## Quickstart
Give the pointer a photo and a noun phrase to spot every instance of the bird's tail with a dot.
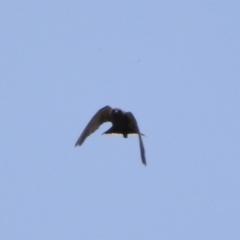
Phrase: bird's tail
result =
(124, 132)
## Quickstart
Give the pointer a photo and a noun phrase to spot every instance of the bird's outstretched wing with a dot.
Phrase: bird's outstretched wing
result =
(134, 125)
(103, 115)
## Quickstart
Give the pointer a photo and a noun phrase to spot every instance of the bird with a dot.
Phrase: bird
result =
(122, 123)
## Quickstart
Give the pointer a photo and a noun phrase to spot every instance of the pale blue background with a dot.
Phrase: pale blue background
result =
(175, 65)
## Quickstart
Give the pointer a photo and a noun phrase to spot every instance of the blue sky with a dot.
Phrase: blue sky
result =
(175, 65)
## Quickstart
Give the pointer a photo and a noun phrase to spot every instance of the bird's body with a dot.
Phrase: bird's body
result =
(122, 123)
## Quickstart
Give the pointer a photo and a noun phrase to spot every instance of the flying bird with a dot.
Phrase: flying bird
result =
(122, 123)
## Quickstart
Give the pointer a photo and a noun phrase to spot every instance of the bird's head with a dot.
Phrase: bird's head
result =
(117, 113)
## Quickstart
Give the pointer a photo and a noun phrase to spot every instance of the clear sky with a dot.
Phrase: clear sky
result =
(175, 65)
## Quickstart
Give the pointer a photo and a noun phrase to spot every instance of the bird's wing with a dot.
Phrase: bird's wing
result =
(103, 115)
(134, 125)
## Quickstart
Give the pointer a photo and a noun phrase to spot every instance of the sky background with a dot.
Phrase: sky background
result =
(175, 65)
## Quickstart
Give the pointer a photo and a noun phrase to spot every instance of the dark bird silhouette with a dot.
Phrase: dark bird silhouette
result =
(122, 123)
